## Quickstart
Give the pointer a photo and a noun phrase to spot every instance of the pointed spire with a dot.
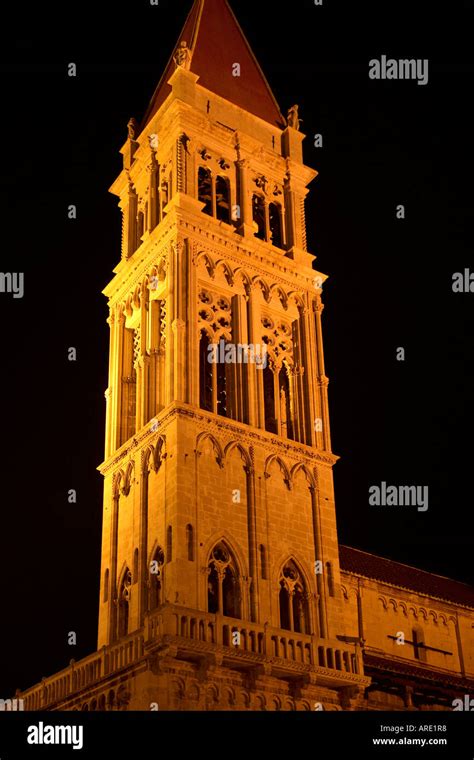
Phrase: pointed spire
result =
(210, 45)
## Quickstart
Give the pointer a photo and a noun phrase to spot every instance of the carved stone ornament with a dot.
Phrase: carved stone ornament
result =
(182, 57)
(293, 118)
(132, 127)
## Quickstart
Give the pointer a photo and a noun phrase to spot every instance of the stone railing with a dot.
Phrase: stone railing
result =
(254, 638)
(193, 625)
(80, 675)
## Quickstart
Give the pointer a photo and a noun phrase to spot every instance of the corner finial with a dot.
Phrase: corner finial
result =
(132, 127)
(182, 57)
(293, 118)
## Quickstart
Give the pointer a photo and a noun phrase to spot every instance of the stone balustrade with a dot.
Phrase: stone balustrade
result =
(231, 636)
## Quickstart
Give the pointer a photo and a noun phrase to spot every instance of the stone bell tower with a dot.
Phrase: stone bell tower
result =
(219, 530)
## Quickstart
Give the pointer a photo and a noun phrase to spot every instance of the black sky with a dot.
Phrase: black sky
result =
(385, 143)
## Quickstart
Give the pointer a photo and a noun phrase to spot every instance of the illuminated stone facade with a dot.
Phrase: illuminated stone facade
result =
(220, 579)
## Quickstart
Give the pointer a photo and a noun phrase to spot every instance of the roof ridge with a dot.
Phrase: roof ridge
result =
(403, 564)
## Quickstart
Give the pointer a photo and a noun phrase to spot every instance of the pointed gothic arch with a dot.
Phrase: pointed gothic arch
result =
(297, 298)
(277, 290)
(147, 459)
(275, 459)
(215, 444)
(155, 578)
(302, 467)
(224, 581)
(227, 270)
(244, 454)
(245, 279)
(127, 480)
(117, 479)
(123, 603)
(293, 597)
(264, 287)
(159, 453)
(209, 263)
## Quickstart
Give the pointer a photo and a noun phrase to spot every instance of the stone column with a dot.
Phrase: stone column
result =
(255, 377)
(323, 381)
(244, 226)
(307, 359)
(113, 596)
(153, 210)
(143, 572)
(252, 536)
(109, 392)
(117, 380)
(192, 370)
(239, 333)
(144, 363)
(181, 164)
(178, 301)
(131, 221)
(318, 554)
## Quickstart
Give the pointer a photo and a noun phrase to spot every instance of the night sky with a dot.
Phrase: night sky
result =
(384, 144)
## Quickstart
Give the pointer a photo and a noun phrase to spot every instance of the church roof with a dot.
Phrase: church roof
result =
(217, 42)
(404, 576)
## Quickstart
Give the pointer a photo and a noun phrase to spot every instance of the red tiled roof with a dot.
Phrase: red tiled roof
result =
(397, 574)
(217, 42)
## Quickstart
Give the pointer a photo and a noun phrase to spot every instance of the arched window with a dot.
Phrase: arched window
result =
(294, 610)
(156, 579)
(205, 374)
(269, 400)
(169, 544)
(263, 562)
(190, 542)
(205, 189)
(285, 404)
(124, 604)
(276, 237)
(258, 213)
(106, 586)
(223, 210)
(223, 588)
(216, 378)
